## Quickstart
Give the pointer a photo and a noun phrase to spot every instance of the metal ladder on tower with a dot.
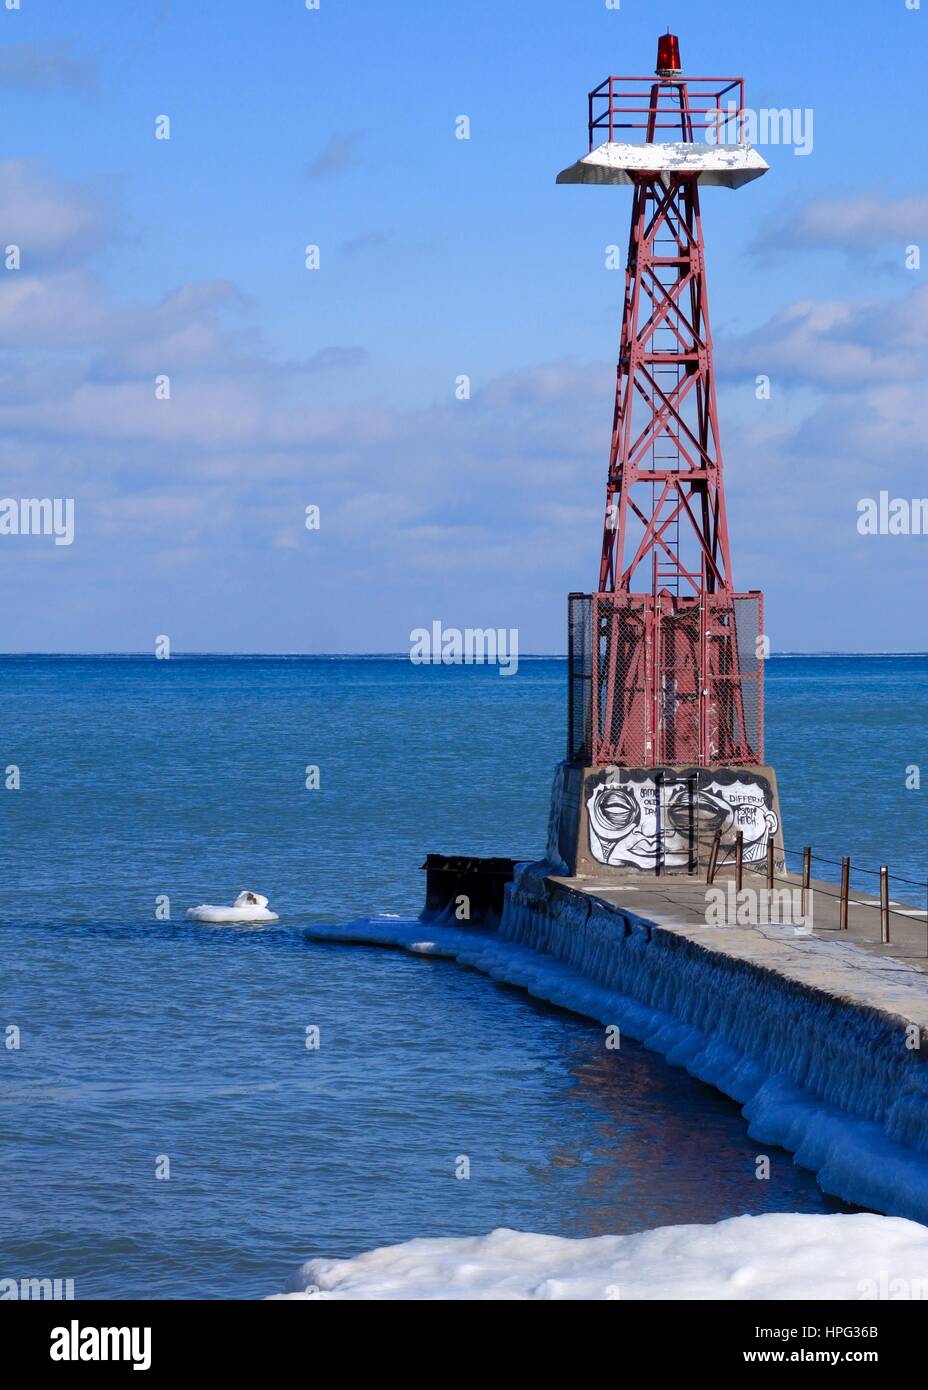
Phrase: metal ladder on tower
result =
(665, 446)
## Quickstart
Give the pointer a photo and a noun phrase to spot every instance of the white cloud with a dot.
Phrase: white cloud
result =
(837, 344)
(42, 66)
(52, 221)
(859, 224)
(341, 152)
(494, 503)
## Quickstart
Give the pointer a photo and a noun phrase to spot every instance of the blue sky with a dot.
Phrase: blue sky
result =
(439, 257)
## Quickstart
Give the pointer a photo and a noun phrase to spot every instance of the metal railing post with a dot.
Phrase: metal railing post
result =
(713, 857)
(770, 865)
(739, 856)
(845, 887)
(806, 876)
(884, 904)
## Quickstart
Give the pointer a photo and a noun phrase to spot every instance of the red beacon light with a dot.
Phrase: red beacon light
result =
(668, 56)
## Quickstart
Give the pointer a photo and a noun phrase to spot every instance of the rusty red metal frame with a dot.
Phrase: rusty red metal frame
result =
(664, 99)
(669, 680)
(674, 692)
(666, 295)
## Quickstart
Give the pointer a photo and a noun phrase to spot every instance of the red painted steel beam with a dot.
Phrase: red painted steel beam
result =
(671, 638)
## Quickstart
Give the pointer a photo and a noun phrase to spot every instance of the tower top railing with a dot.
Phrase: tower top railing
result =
(690, 106)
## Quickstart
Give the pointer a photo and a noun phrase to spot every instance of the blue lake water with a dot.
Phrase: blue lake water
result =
(143, 1038)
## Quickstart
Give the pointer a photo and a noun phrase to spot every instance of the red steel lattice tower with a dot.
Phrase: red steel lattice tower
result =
(674, 671)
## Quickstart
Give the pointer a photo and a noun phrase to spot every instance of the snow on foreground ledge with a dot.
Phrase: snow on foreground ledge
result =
(856, 1257)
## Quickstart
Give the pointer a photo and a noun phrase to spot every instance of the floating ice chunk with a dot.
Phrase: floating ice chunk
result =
(248, 907)
(854, 1257)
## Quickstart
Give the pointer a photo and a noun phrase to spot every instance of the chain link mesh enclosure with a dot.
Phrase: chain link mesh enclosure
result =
(659, 679)
(579, 676)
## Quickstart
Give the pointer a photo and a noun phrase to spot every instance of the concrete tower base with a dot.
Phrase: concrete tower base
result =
(607, 820)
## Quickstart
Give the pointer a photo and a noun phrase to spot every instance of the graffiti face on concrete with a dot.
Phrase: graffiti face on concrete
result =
(639, 820)
(744, 804)
(644, 818)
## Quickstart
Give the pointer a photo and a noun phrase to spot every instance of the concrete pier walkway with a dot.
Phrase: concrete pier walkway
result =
(684, 900)
(815, 958)
(821, 1036)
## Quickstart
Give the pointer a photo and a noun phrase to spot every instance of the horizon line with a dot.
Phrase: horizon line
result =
(397, 655)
